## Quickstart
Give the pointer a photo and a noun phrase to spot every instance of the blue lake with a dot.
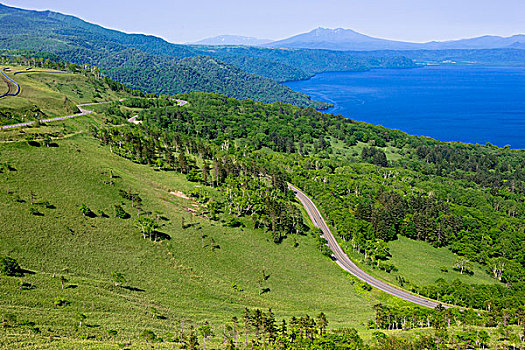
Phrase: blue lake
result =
(468, 104)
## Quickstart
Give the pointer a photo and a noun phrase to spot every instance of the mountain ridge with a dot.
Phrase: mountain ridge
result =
(348, 39)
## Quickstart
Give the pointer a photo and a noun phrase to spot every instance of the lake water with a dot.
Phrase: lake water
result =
(468, 104)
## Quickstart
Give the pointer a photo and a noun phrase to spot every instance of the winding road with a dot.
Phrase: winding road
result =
(82, 112)
(8, 93)
(338, 255)
(347, 264)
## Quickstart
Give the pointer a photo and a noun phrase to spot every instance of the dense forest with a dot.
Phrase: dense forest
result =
(153, 65)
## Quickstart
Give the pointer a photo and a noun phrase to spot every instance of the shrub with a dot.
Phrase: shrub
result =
(149, 336)
(233, 222)
(34, 211)
(120, 212)
(84, 209)
(9, 266)
(59, 301)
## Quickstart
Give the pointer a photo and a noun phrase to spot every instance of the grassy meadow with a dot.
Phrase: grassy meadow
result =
(180, 278)
(49, 93)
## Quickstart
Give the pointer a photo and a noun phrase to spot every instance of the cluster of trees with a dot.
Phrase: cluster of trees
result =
(257, 329)
(483, 297)
(248, 189)
(270, 207)
(409, 317)
(249, 150)
(441, 320)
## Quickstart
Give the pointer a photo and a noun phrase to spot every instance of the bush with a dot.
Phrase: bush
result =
(233, 222)
(59, 301)
(9, 266)
(84, 209)
(120, 212)
(149, 336)
(34, 211)
(322, 245)
(366, 286)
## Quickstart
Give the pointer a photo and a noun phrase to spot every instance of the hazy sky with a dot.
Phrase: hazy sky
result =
(190, 20)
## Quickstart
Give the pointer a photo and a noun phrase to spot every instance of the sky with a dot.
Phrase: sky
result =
(186, 21)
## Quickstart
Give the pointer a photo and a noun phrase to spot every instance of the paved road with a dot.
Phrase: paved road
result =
(82, 112)
(12, 81)
(344, 261)
(134, 120)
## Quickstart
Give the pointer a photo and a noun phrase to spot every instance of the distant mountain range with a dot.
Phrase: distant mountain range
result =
(152, 64)
(232, 40)
(346, 39)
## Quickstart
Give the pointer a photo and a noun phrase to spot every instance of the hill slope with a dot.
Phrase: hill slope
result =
(200, 270)
(140, 55)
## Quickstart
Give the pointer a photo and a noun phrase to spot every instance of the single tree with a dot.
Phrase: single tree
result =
(205, 331)
(9, 266)
(63, 281)
(118, 278)
(462, 264)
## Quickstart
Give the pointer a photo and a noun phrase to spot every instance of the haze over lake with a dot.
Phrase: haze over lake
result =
(449, 103)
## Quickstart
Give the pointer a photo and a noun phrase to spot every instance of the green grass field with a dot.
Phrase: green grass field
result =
(178, 277)
(420, 263)
(50, 94)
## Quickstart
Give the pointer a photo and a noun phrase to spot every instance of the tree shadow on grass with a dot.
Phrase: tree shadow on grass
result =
(162, 236)
(133, 289)
(23, 272)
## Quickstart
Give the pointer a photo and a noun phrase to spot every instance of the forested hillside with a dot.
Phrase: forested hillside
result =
(154, 65)
(375, 184)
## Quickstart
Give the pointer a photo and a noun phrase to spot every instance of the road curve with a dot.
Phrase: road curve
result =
(82, 112)
(12, 81)
(345, 263)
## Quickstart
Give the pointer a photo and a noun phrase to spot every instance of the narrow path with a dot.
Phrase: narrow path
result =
(347, 264)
